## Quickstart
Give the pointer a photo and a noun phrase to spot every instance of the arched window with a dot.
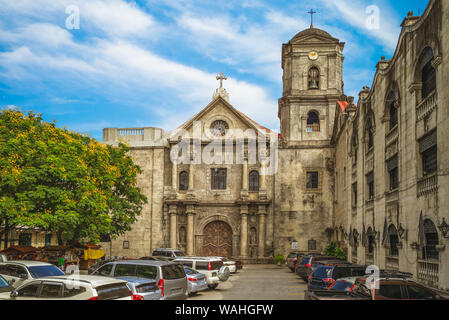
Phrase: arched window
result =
(428, 73)
(184, 181)
(314, 78)
(313, 122)
(392, 110)
(394, 240)
(254, 181)
(355, 147)
(430, 250)
(370, 134)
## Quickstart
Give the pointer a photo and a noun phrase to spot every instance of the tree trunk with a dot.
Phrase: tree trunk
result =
(6, 233)
(60, 241)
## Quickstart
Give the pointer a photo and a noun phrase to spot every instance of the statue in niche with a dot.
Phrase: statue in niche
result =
(314, 78)
(253, 242)
(182, 235)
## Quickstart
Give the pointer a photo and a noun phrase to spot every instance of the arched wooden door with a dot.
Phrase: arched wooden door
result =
(217, 239)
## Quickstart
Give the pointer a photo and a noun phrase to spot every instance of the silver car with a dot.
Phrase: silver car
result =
(170, 277)
(196, 281)
(143, 289)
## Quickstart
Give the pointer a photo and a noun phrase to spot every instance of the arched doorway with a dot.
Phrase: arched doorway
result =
(217, 239)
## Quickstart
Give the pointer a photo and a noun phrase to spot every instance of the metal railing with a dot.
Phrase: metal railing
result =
(313, 127)
(428, 272)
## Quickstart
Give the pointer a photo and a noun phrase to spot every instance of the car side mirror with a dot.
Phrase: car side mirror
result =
(11, 282)
(14, 294)
(23, 276)
(438, 297)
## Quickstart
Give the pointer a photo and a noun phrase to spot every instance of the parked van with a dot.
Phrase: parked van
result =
(170, 277)
(213, 268)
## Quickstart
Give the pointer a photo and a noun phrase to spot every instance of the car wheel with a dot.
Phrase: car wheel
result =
(224, 273)
(212, 286)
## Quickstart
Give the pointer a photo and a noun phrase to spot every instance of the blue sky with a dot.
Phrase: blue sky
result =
(154, 62)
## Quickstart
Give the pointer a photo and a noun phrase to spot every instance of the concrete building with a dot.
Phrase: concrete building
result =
(392, 159)
(357, 175)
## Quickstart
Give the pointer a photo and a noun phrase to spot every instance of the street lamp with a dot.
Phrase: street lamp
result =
(401, 231)
(444, 228)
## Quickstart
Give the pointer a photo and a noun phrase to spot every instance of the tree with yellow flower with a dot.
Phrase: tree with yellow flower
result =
(62, 181)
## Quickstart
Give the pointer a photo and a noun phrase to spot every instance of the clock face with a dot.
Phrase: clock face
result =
(219, 128)
(313, 55)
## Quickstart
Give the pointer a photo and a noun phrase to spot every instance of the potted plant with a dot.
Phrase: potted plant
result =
(279, 259)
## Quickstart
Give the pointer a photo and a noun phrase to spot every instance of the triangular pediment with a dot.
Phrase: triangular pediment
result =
(219, 110)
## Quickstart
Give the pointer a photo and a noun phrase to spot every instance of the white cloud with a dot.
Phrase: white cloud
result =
(117, 18)
(355, 14)
(120, 64)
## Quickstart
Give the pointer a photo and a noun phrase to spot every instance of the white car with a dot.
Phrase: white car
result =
(212, 268)
(20, 272)
(228, 263)
(72, 287)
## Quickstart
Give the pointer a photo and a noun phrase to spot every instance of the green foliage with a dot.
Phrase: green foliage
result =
(63, 181)
(332, 250)
(340, 253)
(279, 259)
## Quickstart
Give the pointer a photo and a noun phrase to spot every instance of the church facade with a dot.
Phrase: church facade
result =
(221, 184)
(223, 206)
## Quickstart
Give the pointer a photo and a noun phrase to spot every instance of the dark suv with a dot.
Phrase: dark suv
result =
(295, 257)
(304, 267)
(324, 276)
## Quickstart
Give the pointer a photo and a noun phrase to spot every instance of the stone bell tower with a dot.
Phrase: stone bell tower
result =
(313, 82)
(313, 67)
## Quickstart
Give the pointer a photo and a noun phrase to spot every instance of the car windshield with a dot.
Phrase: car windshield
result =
(45, 271)
(3, 283)
(306, 260)
(113, 291)
(322, 272)
(341, 286)
(189, 271)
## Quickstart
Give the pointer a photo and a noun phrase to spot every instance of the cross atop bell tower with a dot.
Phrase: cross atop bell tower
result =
(311, 12)
(313, 83)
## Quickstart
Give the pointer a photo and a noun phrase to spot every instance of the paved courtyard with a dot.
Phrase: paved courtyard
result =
(258, 282)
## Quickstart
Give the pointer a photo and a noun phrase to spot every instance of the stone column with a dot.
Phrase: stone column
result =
(245, 174)
(263, 176)
(174, 176)
(244, 231)
(190, 232)
(172, 211)
(262, 213)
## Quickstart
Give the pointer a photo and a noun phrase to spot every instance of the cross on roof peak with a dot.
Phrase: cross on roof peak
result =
(221, 77)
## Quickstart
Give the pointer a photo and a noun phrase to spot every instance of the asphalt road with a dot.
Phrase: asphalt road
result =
(258, 282)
